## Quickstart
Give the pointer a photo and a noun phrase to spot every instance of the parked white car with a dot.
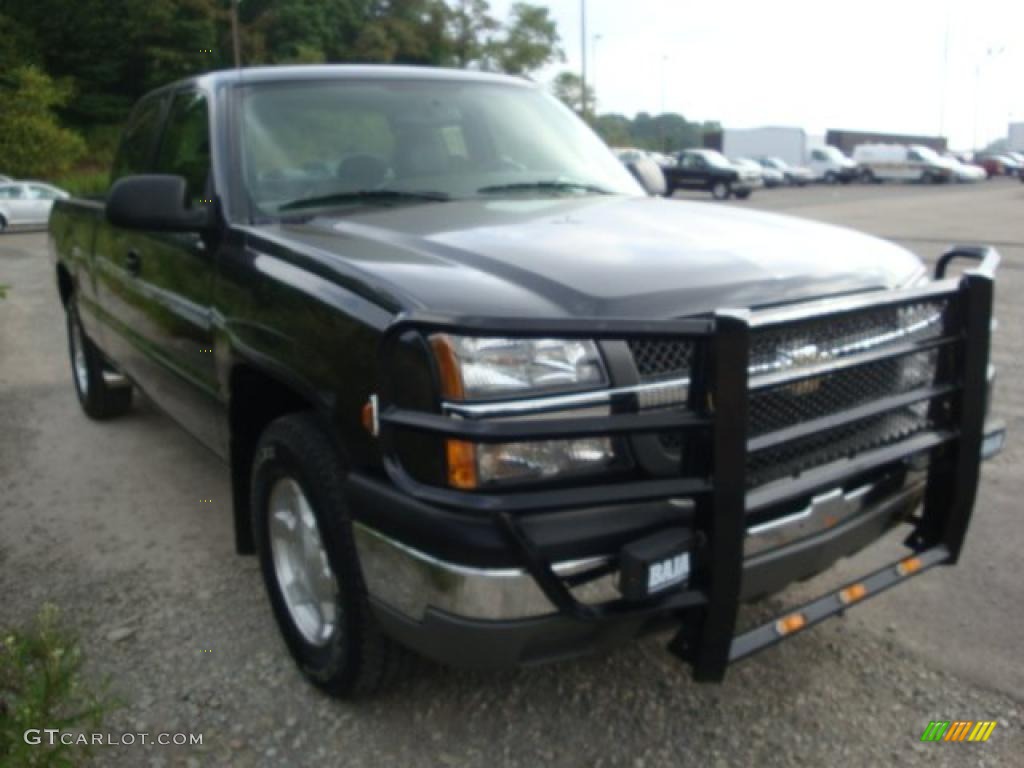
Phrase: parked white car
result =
(796, 175)
(771, 177)
(27, 203)
(830, 165)
(966, 172)
(900, 162)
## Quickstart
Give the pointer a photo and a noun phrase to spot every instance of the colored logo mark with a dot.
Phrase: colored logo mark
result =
(958, 730)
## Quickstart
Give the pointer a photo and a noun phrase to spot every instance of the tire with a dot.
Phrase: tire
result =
(868, 176)
(721, 190)
(830, 177)
(3, 224)
(99, 399)
(340, 649)
(742, 194)
(927, 178)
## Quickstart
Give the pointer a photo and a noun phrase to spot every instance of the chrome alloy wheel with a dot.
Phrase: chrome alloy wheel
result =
(78, 360)
(303, 573)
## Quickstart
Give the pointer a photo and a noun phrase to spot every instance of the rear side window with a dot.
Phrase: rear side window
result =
(135, 152)
(185, 147)
(10, 193)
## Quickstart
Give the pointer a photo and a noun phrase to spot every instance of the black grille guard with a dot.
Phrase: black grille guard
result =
(718, 415)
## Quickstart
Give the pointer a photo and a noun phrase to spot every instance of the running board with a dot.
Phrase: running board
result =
(816, 611)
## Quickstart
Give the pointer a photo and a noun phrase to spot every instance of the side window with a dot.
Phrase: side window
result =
(185, 146)
(8, 193)
(818, 155)
(133, 155)
(41, 193)
(914, 157)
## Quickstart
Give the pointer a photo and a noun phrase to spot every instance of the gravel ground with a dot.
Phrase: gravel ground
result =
(105, 521)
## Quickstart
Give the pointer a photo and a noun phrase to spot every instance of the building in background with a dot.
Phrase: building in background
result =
(845, 141)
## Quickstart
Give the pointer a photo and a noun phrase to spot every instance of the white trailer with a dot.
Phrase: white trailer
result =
(789, 144)
(1015, 137)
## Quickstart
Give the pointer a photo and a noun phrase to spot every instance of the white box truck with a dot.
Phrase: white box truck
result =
(1015, 137)
(789, 144)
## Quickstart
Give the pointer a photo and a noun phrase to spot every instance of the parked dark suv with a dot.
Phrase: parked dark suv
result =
(710, 170)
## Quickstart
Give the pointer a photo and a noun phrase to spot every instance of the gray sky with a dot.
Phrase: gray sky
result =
(860, 64)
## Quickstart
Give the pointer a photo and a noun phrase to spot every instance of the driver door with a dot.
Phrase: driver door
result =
(173, 281)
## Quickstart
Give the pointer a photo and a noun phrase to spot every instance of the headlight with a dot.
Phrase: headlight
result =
(478, 465)
(480, 368)
(484, 368)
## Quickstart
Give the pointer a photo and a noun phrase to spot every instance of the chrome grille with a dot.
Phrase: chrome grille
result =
(790, 347)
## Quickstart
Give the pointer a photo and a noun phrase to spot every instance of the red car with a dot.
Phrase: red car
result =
(998, 165)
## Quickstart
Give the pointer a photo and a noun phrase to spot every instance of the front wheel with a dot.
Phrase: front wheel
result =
(830, 177)
(721, 190)
(99, 398)
(310, 567)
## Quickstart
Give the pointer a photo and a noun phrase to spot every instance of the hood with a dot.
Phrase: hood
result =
(588, 257)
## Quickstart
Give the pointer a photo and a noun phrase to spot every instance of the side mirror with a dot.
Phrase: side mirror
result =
(649, 174)
(154, 202)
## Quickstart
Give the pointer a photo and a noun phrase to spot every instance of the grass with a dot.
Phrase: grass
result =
(41, 686)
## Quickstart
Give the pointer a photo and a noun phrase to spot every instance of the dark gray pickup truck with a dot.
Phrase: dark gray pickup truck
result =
(483, 398)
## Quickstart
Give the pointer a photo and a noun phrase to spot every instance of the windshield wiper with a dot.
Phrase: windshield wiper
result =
(554, 185)
(365, 195)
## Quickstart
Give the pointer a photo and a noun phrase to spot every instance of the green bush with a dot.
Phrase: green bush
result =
(32, 142)
(41, 687)
(84, 183)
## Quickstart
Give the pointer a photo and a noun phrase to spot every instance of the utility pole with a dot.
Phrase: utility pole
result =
(583, 57)
(234, 33)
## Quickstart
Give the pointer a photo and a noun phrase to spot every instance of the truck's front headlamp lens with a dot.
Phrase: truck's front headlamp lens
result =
(485, 368)
(474, 368)
(476, 465)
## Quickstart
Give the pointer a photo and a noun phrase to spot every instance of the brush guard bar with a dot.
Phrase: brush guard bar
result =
(717, 415)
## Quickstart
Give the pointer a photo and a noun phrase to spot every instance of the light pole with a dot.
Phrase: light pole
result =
(990, 53)
(583, 57)
(593, 65)
(234, 33)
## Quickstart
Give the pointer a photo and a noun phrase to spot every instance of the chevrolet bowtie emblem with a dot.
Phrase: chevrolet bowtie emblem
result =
(801, 357)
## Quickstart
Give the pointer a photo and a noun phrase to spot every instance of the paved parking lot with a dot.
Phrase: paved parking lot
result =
(105, 521)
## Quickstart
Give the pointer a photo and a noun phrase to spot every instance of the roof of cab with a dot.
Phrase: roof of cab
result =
(247, 75)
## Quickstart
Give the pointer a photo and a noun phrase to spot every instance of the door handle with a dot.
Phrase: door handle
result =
(132, 262)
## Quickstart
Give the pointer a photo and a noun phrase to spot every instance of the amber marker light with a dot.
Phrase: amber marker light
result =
(852, 594)
(448, 367)
(787, 625)
(909, 566)
(460, 455)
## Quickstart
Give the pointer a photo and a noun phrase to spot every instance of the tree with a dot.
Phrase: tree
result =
(530, 41)
(568, 87)
(471, 29)
(32, 143)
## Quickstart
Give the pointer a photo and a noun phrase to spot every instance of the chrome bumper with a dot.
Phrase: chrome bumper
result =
(411, 582)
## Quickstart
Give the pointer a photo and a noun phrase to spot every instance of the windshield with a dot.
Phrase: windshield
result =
(327, 143)
(926, 153)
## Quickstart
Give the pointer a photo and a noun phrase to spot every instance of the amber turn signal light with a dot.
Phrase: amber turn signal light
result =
(461, 464)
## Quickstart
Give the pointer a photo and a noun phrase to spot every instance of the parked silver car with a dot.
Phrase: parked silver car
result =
(27, 203)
